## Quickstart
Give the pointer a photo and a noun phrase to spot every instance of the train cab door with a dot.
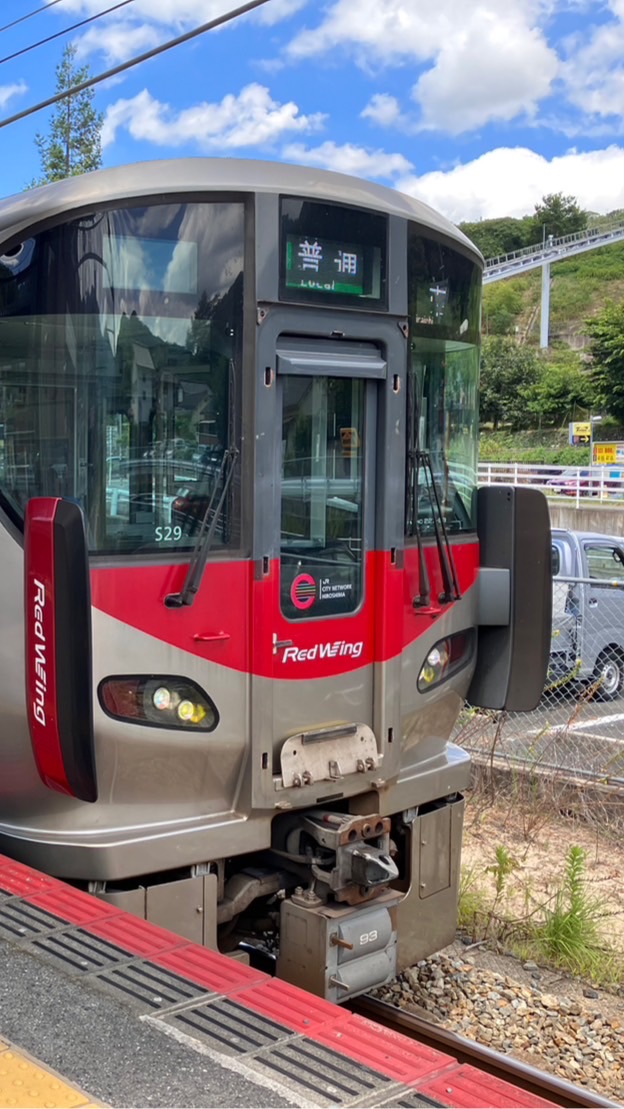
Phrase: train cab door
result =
(321, 720)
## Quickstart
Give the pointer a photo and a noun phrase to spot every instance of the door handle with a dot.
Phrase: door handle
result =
(210, 637)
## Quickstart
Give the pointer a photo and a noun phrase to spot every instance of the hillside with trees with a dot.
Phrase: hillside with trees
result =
(528, 395)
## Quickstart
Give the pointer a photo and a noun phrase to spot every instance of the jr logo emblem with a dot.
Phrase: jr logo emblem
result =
(303, 591)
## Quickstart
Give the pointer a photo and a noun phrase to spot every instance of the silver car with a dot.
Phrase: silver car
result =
(588, 610)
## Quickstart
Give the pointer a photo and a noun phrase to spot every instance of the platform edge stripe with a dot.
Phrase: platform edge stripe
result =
(22, 881)
(208, 968)
(134, 934)
(385, 1051)
(291, 1005)
(73, 905)
(468, 1086)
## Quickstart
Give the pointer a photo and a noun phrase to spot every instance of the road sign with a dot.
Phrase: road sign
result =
(579, 433)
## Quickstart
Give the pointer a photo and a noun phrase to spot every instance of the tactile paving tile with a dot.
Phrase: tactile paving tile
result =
(467, 1086)
(21, 881)
(320, 1074)
(209, 969)
(135, 935)
(229, 1028)
(79, 951)
(406, 1099)
(20, 920)
(150, 987)
(73, 905)
(299, 1010)
(395, 1055)
(25, 1085)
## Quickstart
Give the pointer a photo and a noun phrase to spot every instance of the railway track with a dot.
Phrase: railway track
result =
(548, 1086)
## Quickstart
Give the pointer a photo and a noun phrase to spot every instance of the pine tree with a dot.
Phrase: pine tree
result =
(73, 144)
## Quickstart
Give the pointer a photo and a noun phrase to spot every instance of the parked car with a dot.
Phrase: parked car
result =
(588, 610)
(593, 481)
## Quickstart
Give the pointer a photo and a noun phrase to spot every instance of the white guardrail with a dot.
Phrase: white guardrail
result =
(573, 483)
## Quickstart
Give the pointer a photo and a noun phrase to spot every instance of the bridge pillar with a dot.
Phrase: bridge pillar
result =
(545, 308)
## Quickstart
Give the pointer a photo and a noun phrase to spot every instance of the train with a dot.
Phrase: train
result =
(248, 577)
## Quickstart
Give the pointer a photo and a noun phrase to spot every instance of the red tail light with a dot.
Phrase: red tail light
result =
(58, 646)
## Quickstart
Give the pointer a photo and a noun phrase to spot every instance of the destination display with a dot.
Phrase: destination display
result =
(332, 267)
(332, 253)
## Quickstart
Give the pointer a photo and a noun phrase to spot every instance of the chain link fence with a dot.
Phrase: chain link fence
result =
(578, 727)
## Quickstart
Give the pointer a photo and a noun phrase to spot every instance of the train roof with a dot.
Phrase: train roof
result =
(192, 175)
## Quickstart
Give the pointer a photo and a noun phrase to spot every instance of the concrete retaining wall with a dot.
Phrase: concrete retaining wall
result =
(592, 517)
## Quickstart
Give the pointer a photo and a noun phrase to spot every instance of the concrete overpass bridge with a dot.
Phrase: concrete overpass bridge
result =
(544, 254)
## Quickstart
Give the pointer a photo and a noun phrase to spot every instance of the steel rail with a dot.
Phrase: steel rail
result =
(525, 1077)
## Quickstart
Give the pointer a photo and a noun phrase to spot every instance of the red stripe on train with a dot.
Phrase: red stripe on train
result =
(236, 620)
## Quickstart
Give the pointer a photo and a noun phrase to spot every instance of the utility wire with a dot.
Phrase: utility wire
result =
(65, 31)
(28, 15)
(218, 22)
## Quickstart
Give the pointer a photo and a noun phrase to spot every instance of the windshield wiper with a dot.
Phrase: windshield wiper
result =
(451, 590)
(205, 535)
(423, 600)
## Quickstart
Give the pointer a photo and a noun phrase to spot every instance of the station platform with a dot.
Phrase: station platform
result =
(98, 1007)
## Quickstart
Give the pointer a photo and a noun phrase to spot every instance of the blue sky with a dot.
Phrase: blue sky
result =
(480, 109)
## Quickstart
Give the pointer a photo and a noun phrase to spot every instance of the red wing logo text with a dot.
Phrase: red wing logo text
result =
(338, 649)
(40, 683)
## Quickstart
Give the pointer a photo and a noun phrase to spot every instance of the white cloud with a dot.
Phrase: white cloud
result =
(486, 62)
(516, 69)
(117, 41)
(276, 10)
(7, 92)
(349, 159)
(594, 73)
(252, 118)
(510, 181)
(382, 109)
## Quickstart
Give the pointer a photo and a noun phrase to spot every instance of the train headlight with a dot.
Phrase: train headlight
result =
(446, 658)
(161, 698)
(435, 666)
(160, 702)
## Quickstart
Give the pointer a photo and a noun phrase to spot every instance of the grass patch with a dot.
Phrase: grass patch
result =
(564, 928)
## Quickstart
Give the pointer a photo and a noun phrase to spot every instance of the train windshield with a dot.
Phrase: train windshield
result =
(443, 385)
(121, 336)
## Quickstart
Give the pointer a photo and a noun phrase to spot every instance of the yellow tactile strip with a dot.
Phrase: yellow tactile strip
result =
(25, 1084)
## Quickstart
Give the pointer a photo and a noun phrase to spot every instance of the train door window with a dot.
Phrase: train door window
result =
(321, 495)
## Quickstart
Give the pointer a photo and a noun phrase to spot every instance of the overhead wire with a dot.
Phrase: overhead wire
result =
(29, 15)
(219, 21)
(65, 31)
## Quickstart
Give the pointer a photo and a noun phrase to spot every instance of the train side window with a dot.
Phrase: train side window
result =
(555, 561)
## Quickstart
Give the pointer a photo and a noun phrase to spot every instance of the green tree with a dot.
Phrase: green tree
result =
(606, 332)
(563, 389)
(499, 236)
(73, 144)
(507, 372)
(557, 215)
(502, 307)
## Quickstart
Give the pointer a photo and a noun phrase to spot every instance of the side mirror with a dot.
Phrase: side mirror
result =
(515, 598)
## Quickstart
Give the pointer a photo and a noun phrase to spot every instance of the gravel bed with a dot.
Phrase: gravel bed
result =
(569, 1036)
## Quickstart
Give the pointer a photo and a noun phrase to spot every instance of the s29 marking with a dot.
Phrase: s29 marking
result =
(166, 534)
